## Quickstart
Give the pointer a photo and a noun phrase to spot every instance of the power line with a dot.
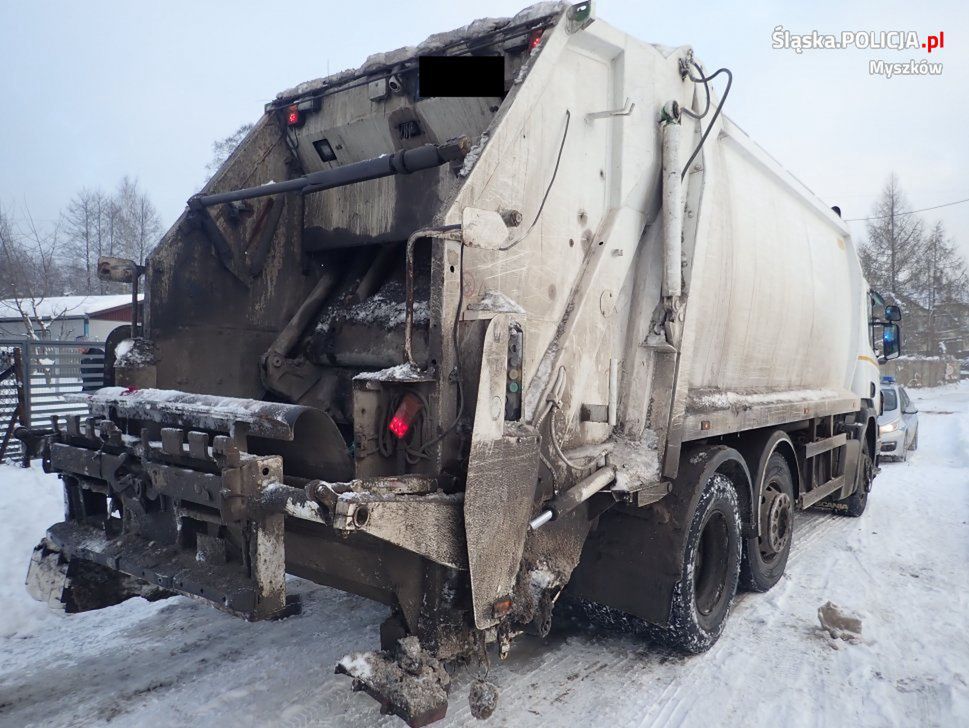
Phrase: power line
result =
(910, 212)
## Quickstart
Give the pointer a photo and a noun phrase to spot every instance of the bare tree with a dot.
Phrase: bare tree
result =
(223, 148)
(943, 283)
(30, 265)
(11, 258)
(892, 254)
(922, 271)
(124, 224)
(138, 222)
(83, 230)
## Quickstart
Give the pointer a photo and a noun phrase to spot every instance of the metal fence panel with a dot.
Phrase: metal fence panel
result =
(53, 370)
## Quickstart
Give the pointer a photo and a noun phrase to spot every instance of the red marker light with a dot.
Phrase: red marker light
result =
(403, 418)
(534, 39)
(292, 115)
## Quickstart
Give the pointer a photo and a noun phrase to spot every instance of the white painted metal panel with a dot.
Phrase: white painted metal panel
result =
(772, 307)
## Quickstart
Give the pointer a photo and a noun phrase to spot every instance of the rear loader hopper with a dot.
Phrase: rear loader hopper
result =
(513, 318)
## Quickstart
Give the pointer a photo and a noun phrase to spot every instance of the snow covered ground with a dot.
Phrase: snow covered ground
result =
(902, 567)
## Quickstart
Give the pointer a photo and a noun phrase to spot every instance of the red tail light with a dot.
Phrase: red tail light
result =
(403, 418)
(292, 115)
(534, 39)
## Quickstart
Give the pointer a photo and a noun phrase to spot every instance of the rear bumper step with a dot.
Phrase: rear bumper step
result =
(204, 514)
(172, 569)
(73, 585)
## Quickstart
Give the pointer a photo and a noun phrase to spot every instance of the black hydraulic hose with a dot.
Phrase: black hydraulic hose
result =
(706, 87)
(548, 189)
(716, 114)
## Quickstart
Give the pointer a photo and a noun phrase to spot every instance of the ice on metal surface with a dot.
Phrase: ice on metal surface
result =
(212, 412)
(383, 309)
(406, 372)
(471, 157)
(703, 401)
(496, 302)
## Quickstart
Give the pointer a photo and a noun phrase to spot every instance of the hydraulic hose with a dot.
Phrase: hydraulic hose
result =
(716, 113)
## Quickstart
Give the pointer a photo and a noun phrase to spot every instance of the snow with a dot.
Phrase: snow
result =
(706, 400)
(406, 372)
(69, 306)
(386, 309)
(433, 45)
(471, 158)
(134, 353)
(901, 568)
(124, 347)
(358, 665)
(496, 302)
(31, 501)
(188, 403)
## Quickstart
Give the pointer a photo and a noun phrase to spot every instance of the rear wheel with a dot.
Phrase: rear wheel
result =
(858, 501)
(765, 556)
(711, 567)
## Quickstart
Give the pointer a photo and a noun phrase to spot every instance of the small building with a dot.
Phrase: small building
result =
(68, 318)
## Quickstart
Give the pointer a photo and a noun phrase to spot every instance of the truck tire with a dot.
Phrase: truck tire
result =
(858, 501)
(711, 568)
(765, 556)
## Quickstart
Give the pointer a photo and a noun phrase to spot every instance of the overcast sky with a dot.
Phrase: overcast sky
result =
(92, 90)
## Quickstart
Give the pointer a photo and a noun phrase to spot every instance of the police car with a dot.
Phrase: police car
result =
(898, 423)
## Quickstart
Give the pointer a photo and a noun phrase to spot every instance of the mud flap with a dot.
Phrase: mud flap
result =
(408, 682)
(632, 560)
(502, 477)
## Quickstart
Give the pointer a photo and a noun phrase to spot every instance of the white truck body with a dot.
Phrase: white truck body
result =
(770, 273)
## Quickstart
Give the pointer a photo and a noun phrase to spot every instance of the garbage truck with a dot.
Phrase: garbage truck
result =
(512, 319)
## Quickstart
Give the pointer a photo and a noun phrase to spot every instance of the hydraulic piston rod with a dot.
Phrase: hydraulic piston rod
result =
(574, 496)
(403, 162)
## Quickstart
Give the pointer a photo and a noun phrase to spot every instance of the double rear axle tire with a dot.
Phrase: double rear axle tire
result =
(718, 559)
(711, 569)
(857, 502)
(766, 554)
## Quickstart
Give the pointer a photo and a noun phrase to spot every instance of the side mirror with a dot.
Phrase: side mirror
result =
(893, 313)
(891, 342)
(119, 270)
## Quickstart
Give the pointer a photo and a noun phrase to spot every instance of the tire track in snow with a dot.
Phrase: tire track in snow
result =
(672, 706)
(631, 679)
